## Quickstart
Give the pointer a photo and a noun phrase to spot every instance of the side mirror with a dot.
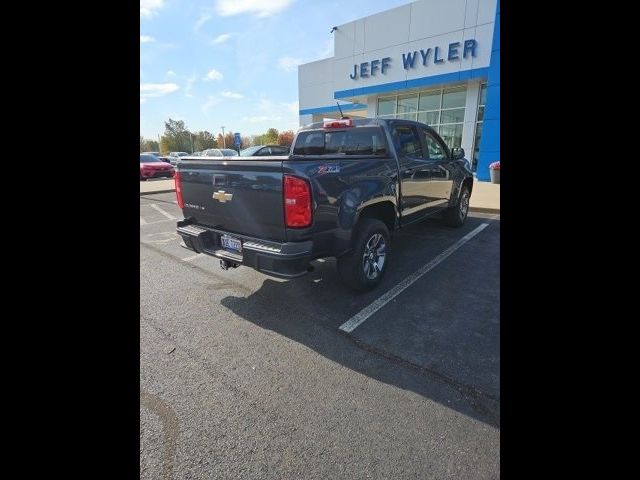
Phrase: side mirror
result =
(457, 153)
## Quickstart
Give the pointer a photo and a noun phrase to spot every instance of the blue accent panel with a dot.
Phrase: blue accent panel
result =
(490, 139)
(492, 109)
(330, 109)
(416, 82)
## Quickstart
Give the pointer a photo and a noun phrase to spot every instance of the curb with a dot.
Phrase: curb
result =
(157, 191)
(484, 210)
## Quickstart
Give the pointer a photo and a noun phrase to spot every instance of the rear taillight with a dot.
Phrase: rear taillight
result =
(297, 202)
(178, 184)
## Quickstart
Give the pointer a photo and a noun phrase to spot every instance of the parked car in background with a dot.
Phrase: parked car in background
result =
(152, 167)
(219, 152)
(265, 151)
(175, 156)
(196, 154)
(162, 158)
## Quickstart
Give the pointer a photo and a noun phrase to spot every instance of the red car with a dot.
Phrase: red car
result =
(152, 167)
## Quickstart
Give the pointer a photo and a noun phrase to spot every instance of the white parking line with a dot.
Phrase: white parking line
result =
(156, 221)
(188, 259)
(351, 324)
(158, 209)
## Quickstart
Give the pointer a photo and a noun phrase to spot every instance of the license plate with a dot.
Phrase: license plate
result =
(231, 243)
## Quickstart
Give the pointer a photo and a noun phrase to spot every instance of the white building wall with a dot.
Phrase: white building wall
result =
(470, 112)
(419, 25)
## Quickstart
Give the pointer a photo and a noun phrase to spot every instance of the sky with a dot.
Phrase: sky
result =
(233, 63)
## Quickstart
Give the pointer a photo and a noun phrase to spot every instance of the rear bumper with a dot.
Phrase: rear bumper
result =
(159, 174)
(284, 260)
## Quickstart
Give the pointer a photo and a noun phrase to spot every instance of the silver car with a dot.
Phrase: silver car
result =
(219, 152)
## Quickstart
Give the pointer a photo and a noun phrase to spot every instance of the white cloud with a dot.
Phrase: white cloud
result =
(289, 64)
(171, 73)
(201, 21)
(228, 94)
(149, 7)
(142, 100)
(221, 38)
(212, 101)
(213, 75)
(260, 8)
(293, 107)
(149, 90)
(146, 39)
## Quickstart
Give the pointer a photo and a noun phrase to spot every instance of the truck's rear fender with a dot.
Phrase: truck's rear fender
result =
(342, 189)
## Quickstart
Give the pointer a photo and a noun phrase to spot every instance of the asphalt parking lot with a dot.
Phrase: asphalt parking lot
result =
(247, 376)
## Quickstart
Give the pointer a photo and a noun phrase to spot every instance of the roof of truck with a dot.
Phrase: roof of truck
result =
(364, 122)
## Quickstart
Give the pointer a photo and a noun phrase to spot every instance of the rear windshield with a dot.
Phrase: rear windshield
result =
(148, 159)
(351, 141)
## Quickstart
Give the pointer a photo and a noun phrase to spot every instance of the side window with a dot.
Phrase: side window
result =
(435, 149)
(264, 152)
(407, 141)
(279, 151)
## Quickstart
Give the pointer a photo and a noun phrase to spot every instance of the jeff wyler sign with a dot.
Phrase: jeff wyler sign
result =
(434, 55)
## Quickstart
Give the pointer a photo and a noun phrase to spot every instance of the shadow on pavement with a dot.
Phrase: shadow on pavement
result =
(444, 349)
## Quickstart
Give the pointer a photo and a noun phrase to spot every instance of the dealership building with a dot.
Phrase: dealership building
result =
(434, 61)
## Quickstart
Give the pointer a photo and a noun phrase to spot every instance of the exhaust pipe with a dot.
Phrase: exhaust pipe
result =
(226, 265)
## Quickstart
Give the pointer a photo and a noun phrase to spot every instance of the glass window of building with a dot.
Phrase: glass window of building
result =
(387, 106)
(407, 106)
(442, 108)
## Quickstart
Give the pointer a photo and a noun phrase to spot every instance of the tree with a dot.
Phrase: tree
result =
(246, 141)
(228, 141)
(203, 140)
(286, 138)
(271, 136)
(147, 145)
(176, 137)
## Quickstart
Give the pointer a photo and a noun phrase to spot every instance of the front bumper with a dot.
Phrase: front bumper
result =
(284, 260)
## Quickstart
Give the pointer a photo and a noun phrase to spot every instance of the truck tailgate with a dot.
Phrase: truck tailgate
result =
(235, 194)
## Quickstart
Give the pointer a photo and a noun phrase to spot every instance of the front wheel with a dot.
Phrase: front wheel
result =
(364, 267)
(456, 215)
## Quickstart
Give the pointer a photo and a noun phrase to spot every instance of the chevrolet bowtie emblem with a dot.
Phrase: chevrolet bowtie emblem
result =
(222, 197)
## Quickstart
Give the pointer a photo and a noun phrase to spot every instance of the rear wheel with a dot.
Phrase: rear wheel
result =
(456, 215)
(364, 267)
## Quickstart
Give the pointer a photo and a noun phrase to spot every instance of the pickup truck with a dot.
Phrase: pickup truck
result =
(346, 186)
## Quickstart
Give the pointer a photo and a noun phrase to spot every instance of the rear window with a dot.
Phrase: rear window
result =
(148, 159)
(352, 141)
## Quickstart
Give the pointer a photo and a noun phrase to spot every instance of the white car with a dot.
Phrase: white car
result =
(219, 152)
(175, 156)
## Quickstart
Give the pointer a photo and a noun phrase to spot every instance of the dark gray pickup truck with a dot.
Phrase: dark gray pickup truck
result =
(345, 187)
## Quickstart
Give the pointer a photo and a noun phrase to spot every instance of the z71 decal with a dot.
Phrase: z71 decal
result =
(322, 169)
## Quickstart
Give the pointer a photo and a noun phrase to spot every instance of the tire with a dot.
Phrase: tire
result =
(361, 269)
(455, 216)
